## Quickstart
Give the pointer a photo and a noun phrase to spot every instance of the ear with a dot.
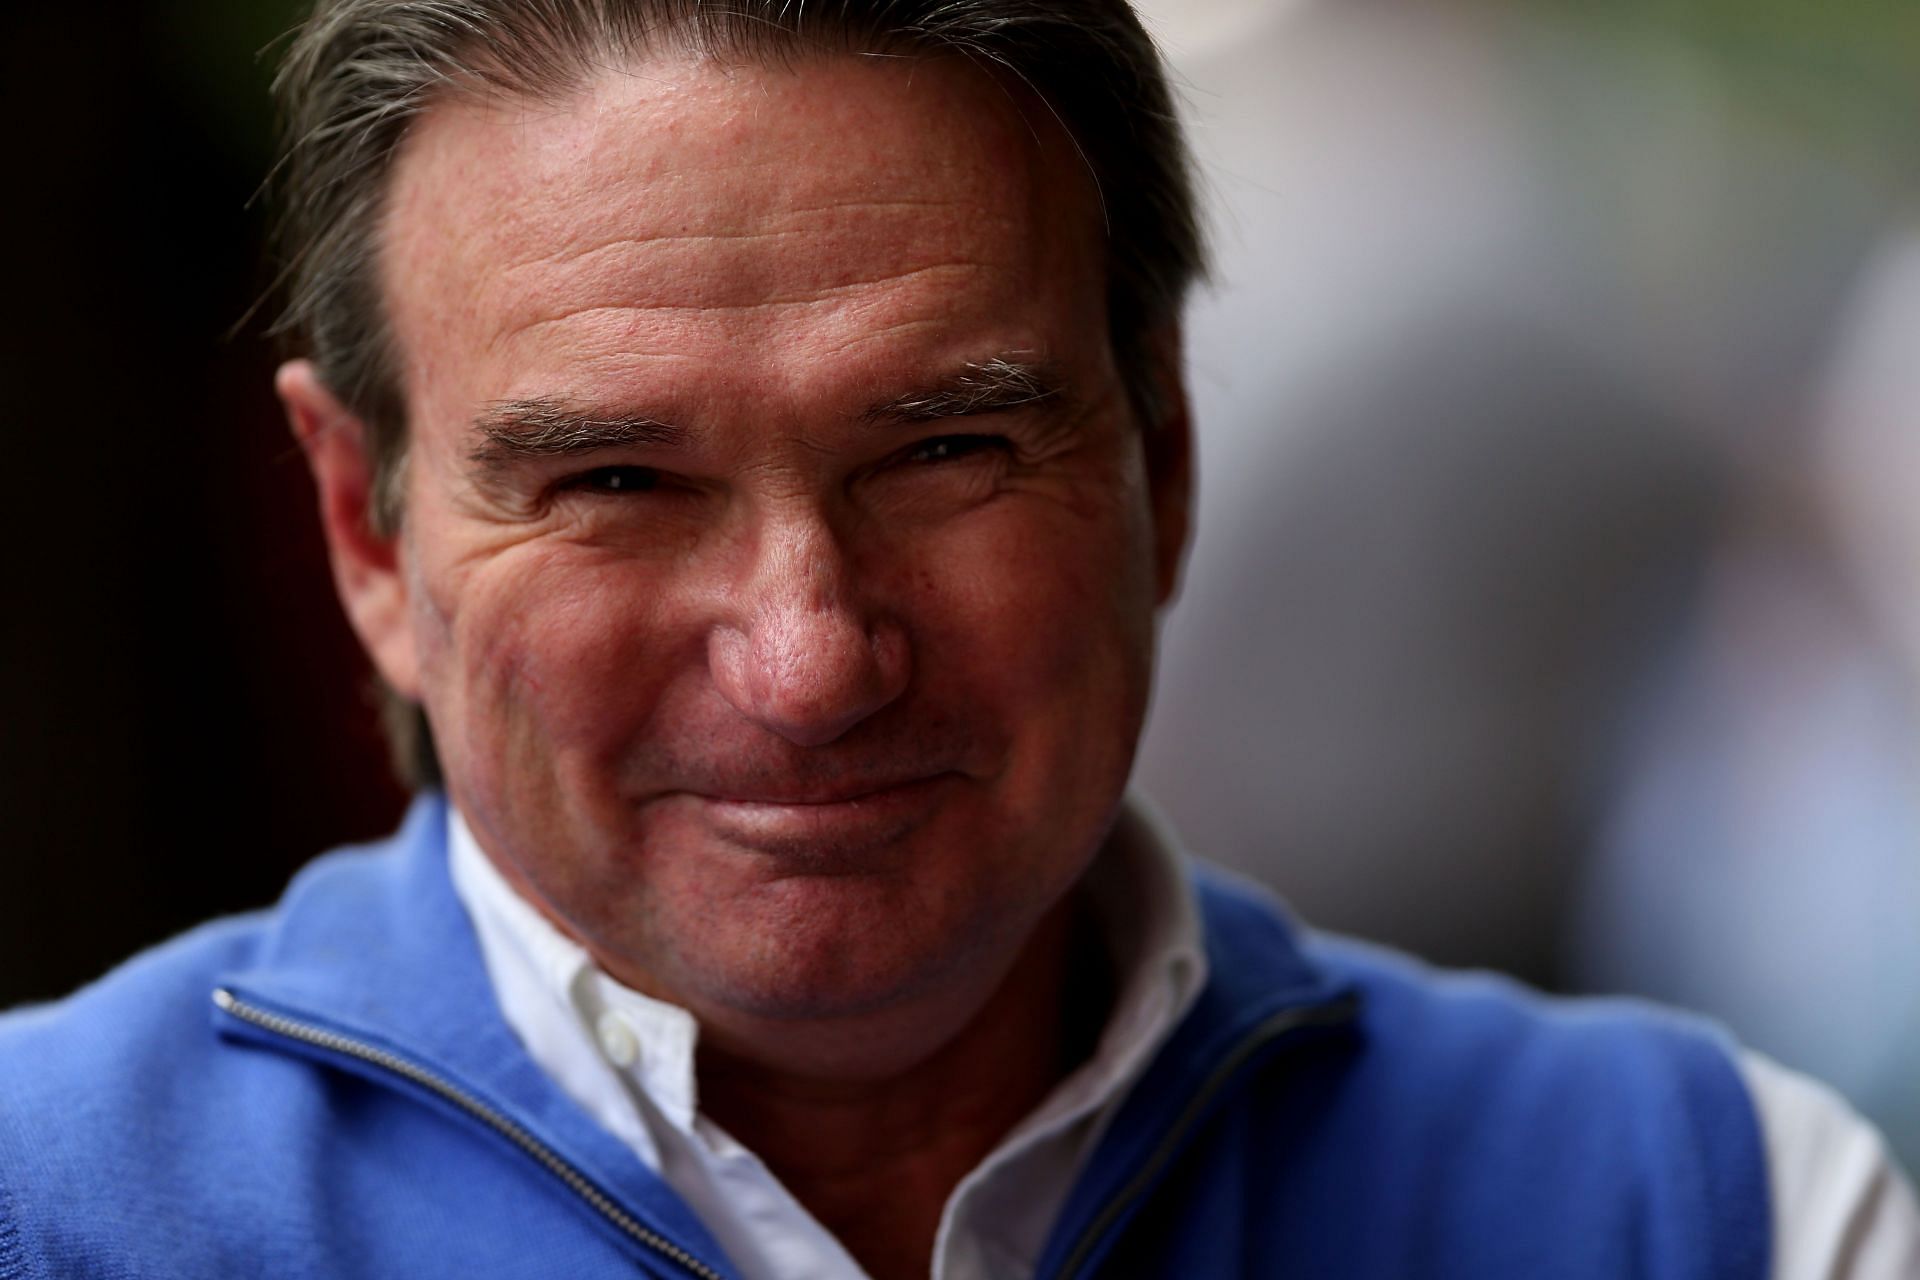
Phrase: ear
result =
(367, 568)
(1169, 457)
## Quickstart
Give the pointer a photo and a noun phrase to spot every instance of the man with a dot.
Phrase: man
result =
(753, 435)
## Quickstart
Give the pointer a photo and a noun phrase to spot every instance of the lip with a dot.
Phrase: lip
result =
(816, 794)
(830, 821)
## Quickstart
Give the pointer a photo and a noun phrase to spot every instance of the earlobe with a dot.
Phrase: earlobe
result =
(367, 568)
(1169, 458)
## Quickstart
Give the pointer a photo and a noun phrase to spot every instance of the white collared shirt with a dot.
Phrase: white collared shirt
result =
(628, 1059)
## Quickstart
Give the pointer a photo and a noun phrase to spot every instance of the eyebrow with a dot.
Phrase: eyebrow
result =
(544, 427)
(986, 386)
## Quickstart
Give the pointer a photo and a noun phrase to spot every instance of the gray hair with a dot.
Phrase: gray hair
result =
(359, 72)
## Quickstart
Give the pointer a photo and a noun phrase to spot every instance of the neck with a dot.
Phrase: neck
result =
(875, 1160)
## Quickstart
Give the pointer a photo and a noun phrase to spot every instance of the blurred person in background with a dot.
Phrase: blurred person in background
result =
(1762, 856)
(1516, 631)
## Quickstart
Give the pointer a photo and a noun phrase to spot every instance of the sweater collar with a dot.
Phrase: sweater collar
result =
(372, 944)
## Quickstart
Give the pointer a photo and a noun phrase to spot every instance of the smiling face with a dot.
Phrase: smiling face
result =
(780, 555)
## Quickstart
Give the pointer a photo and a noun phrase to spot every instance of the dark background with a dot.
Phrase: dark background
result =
(181, 715)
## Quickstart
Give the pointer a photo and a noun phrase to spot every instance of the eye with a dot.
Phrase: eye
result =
(616, 480)
(952, 448)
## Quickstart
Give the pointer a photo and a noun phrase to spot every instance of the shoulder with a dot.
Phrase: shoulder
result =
(1448, 1030)
(154, 1007)
(125, 1083)
(1493, 1123)
(1482, 1121)
(1841, 1207)
(1522, 1048)
(107, 1039)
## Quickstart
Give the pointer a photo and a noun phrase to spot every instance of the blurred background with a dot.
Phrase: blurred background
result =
(1556, 601)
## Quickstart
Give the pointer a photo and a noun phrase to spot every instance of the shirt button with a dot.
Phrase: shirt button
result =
(617, 1040)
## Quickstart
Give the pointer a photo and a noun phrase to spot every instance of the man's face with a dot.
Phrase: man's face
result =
(780, 558)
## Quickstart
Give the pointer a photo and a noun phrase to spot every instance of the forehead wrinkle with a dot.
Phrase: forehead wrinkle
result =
(783, 223)
(883, 333)
(813, 298)
(578, 255)
(570, 255)
(746, 270)
(743, 198)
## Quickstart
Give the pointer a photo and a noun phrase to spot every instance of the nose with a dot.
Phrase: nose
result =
(799, 651)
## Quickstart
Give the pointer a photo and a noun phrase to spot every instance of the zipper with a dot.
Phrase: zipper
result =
(545, 1156)
(1283, 1023)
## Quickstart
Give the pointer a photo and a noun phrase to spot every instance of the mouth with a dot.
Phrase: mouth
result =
(815, 794)
(813, 821)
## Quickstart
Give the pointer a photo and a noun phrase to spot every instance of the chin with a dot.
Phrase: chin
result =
(829, 951)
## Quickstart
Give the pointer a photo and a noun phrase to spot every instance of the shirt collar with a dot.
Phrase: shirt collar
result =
(1146, 918)
(574, 1019)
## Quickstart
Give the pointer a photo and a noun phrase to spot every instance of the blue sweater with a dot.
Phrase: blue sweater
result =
(327, 1089)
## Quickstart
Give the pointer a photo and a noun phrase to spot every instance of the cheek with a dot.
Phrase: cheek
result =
(1059, 583)
(545, 666)
(1050, 623)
